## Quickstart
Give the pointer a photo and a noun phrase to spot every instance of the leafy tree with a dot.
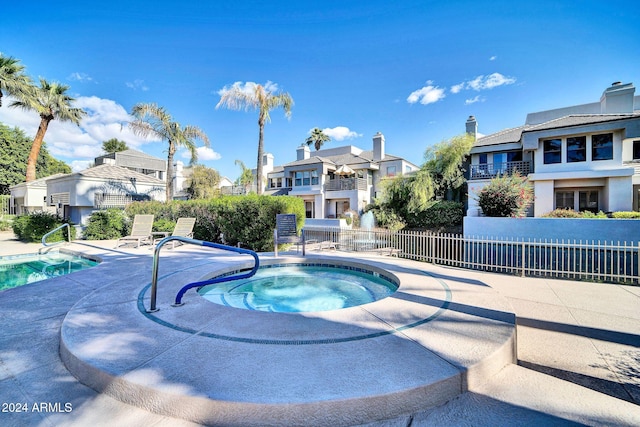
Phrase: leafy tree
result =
(442, 173)
(256, 97)
(203, 183)
(51, 102)
(14, 150)
(13, 81)
(246, 177)
(155, 121)
(317, 138)
(506, 196)
(114, 145)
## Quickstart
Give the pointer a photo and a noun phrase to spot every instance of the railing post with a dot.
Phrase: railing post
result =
(523, 257)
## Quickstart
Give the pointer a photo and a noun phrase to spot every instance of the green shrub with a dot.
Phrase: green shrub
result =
(506, 196)
(626, 215)
(5, 222)
(569, 213)
(106, 225)
(443, 214)
(163, 224)
(31, 228)
(248, 220)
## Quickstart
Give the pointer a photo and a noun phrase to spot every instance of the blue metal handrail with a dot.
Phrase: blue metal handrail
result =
(44, 238)
(185, 288)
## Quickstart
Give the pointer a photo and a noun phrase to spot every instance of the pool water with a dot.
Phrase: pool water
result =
(22, 269)
(301, 288)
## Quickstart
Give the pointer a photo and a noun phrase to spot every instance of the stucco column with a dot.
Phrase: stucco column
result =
(544, 197)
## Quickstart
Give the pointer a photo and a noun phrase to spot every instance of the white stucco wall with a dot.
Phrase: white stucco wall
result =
(544, 197)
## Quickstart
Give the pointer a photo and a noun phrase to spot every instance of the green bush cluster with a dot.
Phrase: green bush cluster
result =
(248, 220)
(106, 225)
(31, 228)
(443, 214)
(626, 215)
(569, 213)
(506, 196)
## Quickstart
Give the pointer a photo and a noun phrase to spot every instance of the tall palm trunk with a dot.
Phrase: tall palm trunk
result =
(260, 155)
(35, 147)
(169, 181)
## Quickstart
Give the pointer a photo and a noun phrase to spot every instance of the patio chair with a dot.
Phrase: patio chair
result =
(183, 228)
(140, 231)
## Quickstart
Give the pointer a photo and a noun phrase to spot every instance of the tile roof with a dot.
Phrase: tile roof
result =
(117, 172)
(515, 134)
(505, 136)
(581, 119)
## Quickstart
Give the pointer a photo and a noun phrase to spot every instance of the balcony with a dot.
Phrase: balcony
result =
(341, 184)
(492, 170)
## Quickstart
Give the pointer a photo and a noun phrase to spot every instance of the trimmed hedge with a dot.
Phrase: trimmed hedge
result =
(626, 215)
(31, 228)
(441, 215)
(106, 225)
(248, 220)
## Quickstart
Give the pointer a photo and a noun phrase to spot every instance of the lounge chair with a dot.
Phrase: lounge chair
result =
(183, 228)
(140, 231)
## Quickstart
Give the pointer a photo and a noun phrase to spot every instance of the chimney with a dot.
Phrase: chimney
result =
(378, 147)
(267, 163)
(617, 99)
(303, 152)
(472, 127)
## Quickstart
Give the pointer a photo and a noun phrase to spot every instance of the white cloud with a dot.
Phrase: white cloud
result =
(426, 95)
(80, 165)
(473, 100)
(105, 119)
(340, 133)
(493, 58)
(206, 153)
(489, 82)
(80, 77)
(457, 88)
(137, 84)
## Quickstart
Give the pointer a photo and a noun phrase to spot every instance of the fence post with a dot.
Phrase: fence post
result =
(523, 257)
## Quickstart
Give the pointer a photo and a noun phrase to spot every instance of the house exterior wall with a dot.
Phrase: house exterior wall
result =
(554, 229)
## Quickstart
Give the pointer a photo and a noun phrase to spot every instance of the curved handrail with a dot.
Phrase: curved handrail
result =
(44, 238)
(156, 261)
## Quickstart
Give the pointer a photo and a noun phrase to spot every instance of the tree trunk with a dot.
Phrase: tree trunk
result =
(35, 148)
(169, 184)
(260, 155)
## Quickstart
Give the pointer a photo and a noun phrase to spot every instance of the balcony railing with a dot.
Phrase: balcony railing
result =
(491, 170)
(340, 184)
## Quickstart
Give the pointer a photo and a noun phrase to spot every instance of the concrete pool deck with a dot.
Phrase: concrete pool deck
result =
(577, 346)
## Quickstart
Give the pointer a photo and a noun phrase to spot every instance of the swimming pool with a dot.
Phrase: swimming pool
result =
(19, 270)
(294, 288)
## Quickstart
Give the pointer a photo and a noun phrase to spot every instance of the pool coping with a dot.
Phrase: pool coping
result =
(131, 383)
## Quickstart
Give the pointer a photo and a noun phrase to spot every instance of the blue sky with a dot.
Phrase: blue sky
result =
(413, 70)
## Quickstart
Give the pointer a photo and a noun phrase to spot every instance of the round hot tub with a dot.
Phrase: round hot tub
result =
(303, 287)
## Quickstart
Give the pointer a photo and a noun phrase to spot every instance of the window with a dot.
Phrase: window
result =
(564, 200)
(482, 158)
(576, 149)
(552, 151)
(391, 171)
(588, 201)
(636, 150)
(602, 147)
(306, 178)
(514, 156)
(275, 183)
(499, 163)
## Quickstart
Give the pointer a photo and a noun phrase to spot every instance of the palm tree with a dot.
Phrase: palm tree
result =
(256, 97)
(246, 177)
(51, 102)
(154, 121)
(12, 78)
(318, 138)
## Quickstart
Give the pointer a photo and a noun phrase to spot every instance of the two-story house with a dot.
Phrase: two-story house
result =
(333, 181)
(581, 157)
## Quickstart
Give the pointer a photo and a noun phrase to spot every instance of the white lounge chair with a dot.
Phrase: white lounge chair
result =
(183, 228)
(140, 231)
